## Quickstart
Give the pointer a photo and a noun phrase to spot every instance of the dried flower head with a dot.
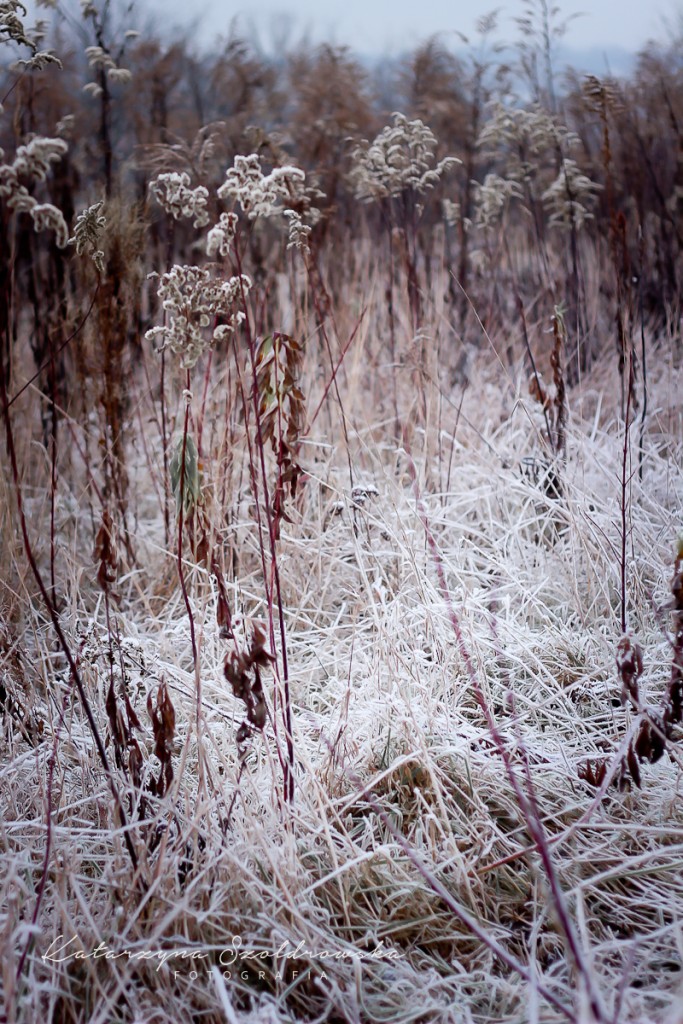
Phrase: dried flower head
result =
(192, 299)
(601, 94)
(259, 194)
(32, 163)
(492, 197)
(172, 191)
(299, 233)
(99, 58)
(12, 29)
(39, 61)
(220, 237)
(281, 193)
(401, 157)
(47, 217)
(88, 229)
(530, 132)
(451, 211)
(33, 159)
(66, 125)
(569, 197)
(120, 76)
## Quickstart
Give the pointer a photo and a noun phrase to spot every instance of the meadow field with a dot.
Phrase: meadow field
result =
(341, 530)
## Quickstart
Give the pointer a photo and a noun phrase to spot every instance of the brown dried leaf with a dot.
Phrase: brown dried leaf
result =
(163, 724)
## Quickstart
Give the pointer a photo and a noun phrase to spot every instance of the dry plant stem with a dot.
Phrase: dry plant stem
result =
(624, 490)
(335, 370)
(49, 605)
(159, 488)
(526, 805)
(207, 378)
(643, 360)
(58, 352)
(164, 448)
(386, 214)
(532, 361)
(186, 596)
(455, 433)
(253, 479)
(333, 379)
(287, 709)
(53, 494)
(3, 99)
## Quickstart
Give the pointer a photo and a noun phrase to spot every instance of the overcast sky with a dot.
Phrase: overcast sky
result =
(377, 26)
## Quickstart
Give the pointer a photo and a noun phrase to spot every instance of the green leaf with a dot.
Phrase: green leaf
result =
(191, 477)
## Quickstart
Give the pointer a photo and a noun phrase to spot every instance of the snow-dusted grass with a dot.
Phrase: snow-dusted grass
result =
(402, 795)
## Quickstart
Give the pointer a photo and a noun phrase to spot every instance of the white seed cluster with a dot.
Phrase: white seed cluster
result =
(569, 197)
(192, 299)
(299, 233)
(172, 191)
(259, 194)
(491, 197)
(273, 195)
(100, 60)
(532, 142)
(32, 163)
(401, 157)
(39, 61)
(221, 236)
(12, 27)
(533, 132)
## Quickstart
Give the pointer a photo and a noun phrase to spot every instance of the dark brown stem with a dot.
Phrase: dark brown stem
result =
(287, 709)
(181, 574)
(51, 610)
(54, 355)
(624, 490)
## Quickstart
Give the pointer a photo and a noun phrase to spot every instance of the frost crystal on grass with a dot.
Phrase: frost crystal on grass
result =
(192, 299)
(402, 156)
(172, 191)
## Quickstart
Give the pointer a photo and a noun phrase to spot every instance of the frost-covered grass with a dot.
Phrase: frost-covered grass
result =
(341, 655)
(406, 824)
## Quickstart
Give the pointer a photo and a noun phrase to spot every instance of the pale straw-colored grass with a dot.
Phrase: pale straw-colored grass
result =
(399, 783)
